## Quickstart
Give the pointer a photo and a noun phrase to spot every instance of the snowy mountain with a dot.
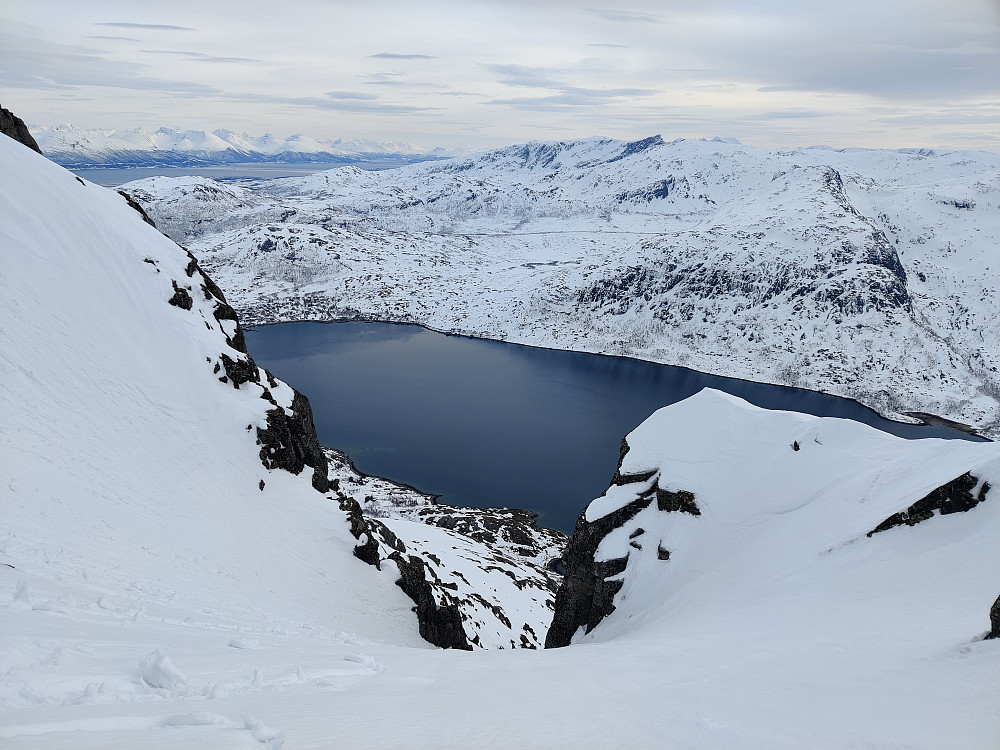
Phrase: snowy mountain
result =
(864, 273)
(181, 567)
(75, 147)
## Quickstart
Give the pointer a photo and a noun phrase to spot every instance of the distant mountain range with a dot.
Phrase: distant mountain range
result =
(75, 147)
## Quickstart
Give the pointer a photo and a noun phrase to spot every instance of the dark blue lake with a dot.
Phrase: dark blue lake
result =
(485, 423)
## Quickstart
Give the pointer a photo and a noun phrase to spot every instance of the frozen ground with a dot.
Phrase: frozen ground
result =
(869, 274)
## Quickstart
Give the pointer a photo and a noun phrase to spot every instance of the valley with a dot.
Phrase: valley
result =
(861, 273)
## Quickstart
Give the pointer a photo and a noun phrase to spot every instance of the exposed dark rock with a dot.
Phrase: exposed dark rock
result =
(240, 370)
(995, 619)
(681, 501)
(586, 597)
(13, 126)
(952, 497)
(142, 212)
(181, 298)
(290, 442)
(439, 625)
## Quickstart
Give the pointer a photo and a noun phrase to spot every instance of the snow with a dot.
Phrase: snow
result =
(131, 512)
(79, 147)
(864, 273)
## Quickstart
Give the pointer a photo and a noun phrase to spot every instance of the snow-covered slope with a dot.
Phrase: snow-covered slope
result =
(869, 274)
(128, 467)
(153, 593)
(76, 147)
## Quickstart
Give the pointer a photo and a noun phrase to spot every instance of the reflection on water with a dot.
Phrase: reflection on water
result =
(486, 423)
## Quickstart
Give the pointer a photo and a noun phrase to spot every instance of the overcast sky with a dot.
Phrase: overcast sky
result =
(883, 73)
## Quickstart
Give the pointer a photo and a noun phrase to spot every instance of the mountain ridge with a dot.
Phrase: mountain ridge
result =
(75, 147)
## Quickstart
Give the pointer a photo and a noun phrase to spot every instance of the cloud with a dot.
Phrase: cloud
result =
(351, 95)
(398, 56)
(567, 94)
(525, 75)
(35, 63)
(312, 102)
(624, 16)
(607, 44)
(790, 114)
(200, 56)
(573, 97)
(116, 38)
(395, 78)
(151, 26)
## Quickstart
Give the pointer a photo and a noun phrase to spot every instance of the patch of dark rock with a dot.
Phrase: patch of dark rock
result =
(585, 596)
(133, 204)
(13, 126)
(261, 485)
(289, 442)
(952, 497)
(681, 501)
(662, 554)
(240, 370)
(435, 558)
(634, 544)
(439, 625)
(995, 620)
(181, 298)
(638, 532)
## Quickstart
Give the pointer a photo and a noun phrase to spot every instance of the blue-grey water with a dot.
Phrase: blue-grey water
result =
(485, 423)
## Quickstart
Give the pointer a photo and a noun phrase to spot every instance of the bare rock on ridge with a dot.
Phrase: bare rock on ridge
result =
(13, 126)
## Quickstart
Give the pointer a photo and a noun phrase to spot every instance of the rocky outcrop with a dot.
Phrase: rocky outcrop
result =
(289, 441)
(441, 624)
(13, 126)
(589, 586)
(486, 578)
(955, 496)
(135, 206)
(995, 619)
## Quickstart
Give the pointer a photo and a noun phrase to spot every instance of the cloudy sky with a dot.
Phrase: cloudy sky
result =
(882, 73)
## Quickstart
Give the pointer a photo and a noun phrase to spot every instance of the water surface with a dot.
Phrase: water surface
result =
(485, 423)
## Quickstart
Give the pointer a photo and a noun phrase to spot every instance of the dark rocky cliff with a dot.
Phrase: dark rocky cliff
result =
(13, 126)
(587, 594)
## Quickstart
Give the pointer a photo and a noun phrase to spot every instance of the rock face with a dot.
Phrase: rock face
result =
(955, 496)
(589, 586)
(13, 126)
(995, 619)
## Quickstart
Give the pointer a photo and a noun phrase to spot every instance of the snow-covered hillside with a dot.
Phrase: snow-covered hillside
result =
(78, 148)
(169, 581)
(869, 274)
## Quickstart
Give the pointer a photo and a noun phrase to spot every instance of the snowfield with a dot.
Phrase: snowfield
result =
(161, 588)
(864, 273)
